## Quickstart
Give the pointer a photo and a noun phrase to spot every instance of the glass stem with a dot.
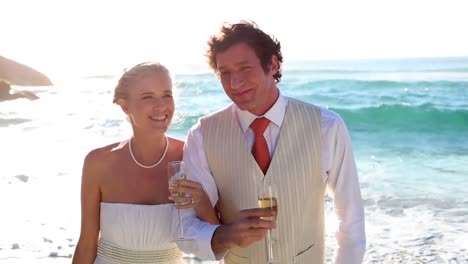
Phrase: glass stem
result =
(269, 246)
(181, 225)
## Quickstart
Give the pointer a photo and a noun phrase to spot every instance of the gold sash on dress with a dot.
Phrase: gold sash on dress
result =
(120, 255)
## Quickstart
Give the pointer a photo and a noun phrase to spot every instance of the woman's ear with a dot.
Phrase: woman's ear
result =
(123, 105)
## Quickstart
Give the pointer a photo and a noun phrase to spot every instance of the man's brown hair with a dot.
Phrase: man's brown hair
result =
(264, 45)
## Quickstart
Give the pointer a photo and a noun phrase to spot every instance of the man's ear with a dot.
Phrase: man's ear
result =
(274, 65)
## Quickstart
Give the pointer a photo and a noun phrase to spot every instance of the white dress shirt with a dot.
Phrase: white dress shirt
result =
(338, 172)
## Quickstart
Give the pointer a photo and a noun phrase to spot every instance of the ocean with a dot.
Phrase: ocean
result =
(408, 121)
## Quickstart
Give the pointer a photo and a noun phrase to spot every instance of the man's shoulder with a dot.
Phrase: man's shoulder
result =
(330, 116)
(327, 116)
(297, 102)
(332, 120)
(217, 114)
(210, 117)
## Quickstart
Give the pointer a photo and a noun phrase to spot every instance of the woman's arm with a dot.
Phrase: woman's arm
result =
(195, 195)
(86, 249)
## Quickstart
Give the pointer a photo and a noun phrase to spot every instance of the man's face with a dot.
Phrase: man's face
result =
(245, 81)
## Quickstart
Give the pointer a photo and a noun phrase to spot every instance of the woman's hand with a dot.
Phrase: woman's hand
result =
(193, 196)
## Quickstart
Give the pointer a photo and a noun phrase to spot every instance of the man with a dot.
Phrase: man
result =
(308, 150)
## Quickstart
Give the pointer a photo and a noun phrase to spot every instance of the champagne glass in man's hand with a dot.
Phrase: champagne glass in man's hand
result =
(268, 199)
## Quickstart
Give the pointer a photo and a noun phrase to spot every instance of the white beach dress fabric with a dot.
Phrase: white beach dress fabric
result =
(137, 227)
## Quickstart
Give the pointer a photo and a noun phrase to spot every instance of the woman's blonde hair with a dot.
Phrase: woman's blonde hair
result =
(135, 73)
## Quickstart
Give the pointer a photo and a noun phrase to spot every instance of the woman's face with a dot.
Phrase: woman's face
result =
(150, 104)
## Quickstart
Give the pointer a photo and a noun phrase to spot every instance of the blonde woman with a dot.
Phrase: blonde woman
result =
(127, 212)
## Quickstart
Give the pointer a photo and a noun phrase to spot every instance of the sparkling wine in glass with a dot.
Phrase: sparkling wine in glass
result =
(268, 203)
(268, 198)
(176, 171)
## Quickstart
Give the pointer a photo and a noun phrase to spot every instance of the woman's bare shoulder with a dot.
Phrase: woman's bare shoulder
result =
(176, 148)
(176, 142)
(101, 156)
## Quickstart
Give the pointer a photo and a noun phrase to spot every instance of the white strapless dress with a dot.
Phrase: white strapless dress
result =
(137, 228)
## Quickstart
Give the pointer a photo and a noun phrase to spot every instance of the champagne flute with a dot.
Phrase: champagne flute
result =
(176, 171)
(267, 198)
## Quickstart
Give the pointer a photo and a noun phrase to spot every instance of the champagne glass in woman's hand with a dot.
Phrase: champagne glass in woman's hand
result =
(176, 171)
(267, 198)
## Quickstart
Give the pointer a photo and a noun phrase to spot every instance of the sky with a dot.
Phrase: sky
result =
(102, 37)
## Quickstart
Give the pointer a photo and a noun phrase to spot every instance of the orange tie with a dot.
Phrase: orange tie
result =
(260, 147)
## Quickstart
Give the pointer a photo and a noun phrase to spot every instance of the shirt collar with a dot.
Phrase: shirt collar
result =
(275, 114)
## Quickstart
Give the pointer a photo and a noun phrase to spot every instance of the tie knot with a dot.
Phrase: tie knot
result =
(259, 125)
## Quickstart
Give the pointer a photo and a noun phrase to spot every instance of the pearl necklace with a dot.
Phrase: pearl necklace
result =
(148, 166)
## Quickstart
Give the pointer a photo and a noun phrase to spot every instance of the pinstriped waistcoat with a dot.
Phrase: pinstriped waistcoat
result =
(295, 168)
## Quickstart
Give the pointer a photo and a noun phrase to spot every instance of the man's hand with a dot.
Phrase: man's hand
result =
(246, 230)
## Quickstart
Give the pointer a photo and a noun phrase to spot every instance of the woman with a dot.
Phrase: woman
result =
(126, 205)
